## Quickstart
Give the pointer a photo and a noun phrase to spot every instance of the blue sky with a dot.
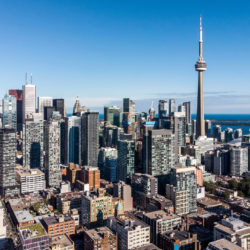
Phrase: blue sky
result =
(104, 50)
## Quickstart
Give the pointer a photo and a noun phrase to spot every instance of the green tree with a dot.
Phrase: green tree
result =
(233, 184)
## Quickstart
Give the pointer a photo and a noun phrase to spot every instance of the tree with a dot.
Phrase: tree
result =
(233, 184)
(226, 195)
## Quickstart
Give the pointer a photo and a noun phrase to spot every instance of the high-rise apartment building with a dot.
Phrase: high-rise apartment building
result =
(33, 142)
(183, 179)
(144, 184)
(129, 113)
(126, 159)
(106, 153)
(18, 93)
(52, 147)
(208, 128)
(112, 114)
(58, 104)
(158, 150)
(90, 138)
(163, 109)
(29, 101)
(171, 106)
(187, 106)
(10, 111)
(229, 134)
(238, 161)
(42, 103)
(73, 133)
(123, 191)
(8, 162)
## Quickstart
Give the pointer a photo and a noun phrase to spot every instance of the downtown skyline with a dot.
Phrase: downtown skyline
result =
(105, 53)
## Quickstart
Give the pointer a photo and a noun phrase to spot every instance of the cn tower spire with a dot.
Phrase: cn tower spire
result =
(200, 28)
(200, 66)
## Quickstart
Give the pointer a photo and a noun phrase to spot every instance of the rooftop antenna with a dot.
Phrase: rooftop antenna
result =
(26, 78)
(152, 105)
(31, 78)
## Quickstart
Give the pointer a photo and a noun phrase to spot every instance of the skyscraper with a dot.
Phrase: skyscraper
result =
(126, 159)
(200, 66)
(33, 144)
(112, 114)
(163, 109)
(158, 151)
(9, 111)
(182, 189)
(18, 93)
(73, 133)
(29, 100)
(52, 152)
(58, 104)
(171, 106)
(90, 138)
(42, 103)
(8, 162)
(129, 114)
(187, 111)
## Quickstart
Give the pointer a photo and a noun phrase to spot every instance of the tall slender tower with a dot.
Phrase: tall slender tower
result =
(200, 66)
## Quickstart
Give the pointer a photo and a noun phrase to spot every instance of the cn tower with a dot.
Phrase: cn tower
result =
(200, 66)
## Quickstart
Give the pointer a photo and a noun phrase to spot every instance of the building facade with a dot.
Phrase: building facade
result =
(52, 152)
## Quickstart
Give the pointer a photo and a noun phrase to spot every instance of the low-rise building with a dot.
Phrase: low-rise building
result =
(59, 225)
(23, 218)
(222, 244)
(34, 237)
(61, 242)
(30, 180)
(234, 230)
(96, 207)
(178, 240)
(67, 201)
(160, 222)
(132, 233)
(101, 238)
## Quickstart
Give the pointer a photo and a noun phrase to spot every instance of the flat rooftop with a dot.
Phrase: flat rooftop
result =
(161, 215)
(54, 220)
(23, 216)
(207, 202)
(60, 240)
(147, 247)
(98, 233)
(32, 231)
(177, 235)
(223, 244)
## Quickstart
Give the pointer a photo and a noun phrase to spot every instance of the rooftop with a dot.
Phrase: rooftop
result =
(23, 216)
(207, 202)
(29, 172)
(32, 231)
(61, 240)
(98, 233)
(148, 247)
(223, 244)
(54, 220)
(178, 235)
(161, 215)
